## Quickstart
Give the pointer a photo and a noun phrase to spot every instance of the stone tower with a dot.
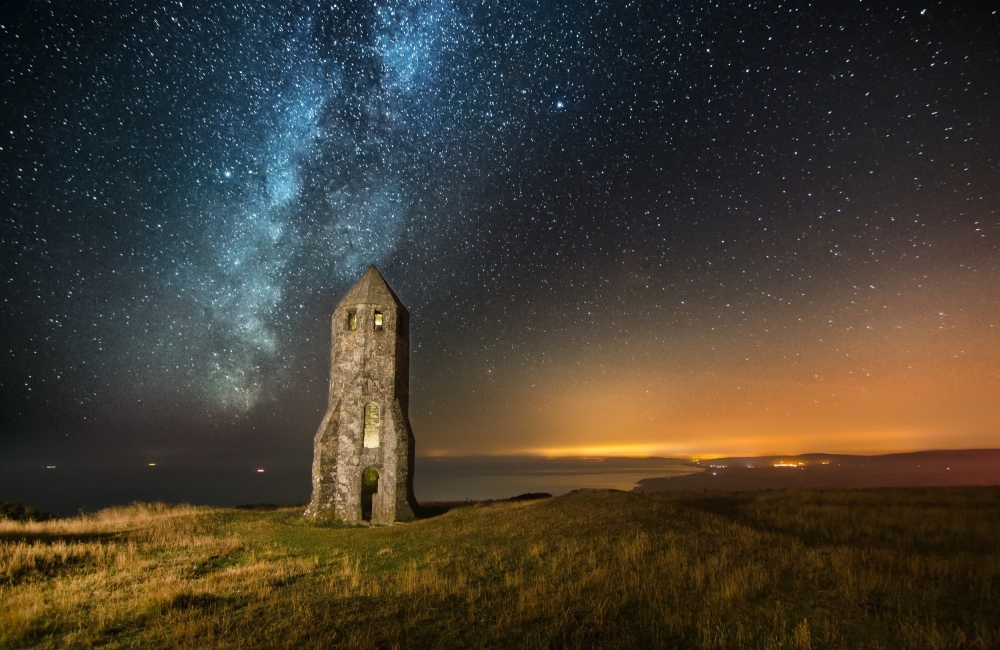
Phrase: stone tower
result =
(363, 454)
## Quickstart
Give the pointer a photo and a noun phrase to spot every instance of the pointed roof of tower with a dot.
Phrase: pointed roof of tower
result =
(372, 289)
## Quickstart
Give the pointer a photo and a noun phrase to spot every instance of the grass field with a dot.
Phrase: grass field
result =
(900, 568)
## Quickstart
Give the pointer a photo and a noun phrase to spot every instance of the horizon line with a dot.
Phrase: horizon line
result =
(592, 453)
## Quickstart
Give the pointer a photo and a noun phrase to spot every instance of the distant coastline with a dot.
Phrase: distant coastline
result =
(915, 469)
(91, 482)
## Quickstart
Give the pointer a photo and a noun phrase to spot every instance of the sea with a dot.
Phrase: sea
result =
(502, 477)
(67, 485)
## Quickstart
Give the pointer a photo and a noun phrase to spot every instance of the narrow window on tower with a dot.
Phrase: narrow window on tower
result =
(352, 320)
(372, 421)
(378, 321)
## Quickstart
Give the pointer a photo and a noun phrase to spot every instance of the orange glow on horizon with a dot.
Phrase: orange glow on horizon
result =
(905, 369)
(598, 453)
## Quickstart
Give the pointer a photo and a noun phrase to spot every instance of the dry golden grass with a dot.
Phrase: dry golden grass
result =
(811, 569)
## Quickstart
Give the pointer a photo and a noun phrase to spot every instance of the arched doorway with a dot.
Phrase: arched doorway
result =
(369, 486)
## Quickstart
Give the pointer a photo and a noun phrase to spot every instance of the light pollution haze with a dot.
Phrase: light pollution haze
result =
(908, 365)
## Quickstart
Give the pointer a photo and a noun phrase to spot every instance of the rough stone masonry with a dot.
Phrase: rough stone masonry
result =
(363, 455)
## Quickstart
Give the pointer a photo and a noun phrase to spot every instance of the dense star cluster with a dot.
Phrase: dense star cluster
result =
(619, 226)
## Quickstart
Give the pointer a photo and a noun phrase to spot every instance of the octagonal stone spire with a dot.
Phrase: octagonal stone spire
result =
(364, 448)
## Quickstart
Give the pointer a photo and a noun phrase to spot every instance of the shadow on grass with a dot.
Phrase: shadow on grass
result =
(942, 520)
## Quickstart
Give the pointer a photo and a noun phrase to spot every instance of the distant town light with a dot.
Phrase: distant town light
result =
(152, 464)
(50, 467)
(260, 471)
(782, 463)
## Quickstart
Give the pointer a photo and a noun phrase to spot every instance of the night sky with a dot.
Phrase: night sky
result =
(620, 227)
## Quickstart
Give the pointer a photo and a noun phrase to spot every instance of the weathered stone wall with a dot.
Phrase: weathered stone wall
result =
(369, 364)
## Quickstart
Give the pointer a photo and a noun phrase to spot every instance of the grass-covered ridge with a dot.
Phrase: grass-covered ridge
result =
(903, 568)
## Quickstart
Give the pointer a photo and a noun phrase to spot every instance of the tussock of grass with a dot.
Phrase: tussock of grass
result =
(811, 569)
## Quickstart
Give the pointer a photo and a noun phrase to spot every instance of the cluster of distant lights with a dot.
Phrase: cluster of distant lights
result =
(780, 463)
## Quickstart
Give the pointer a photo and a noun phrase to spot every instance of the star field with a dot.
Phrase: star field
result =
(619, 227)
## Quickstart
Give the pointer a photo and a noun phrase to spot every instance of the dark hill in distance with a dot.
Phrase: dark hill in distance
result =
(918, 469)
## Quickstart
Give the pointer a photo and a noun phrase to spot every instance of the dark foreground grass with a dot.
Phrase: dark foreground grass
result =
(811, 569)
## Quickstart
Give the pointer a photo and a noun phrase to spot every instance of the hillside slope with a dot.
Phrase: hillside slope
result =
(812, 569)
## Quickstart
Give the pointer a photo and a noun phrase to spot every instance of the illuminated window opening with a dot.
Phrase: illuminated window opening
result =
(378, 321)
(372, 421)
(352, 320)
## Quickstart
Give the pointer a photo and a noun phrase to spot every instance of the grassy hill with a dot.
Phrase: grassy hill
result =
(899, 568)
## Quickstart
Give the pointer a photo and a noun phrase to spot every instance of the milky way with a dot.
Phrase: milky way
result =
(618, 226)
